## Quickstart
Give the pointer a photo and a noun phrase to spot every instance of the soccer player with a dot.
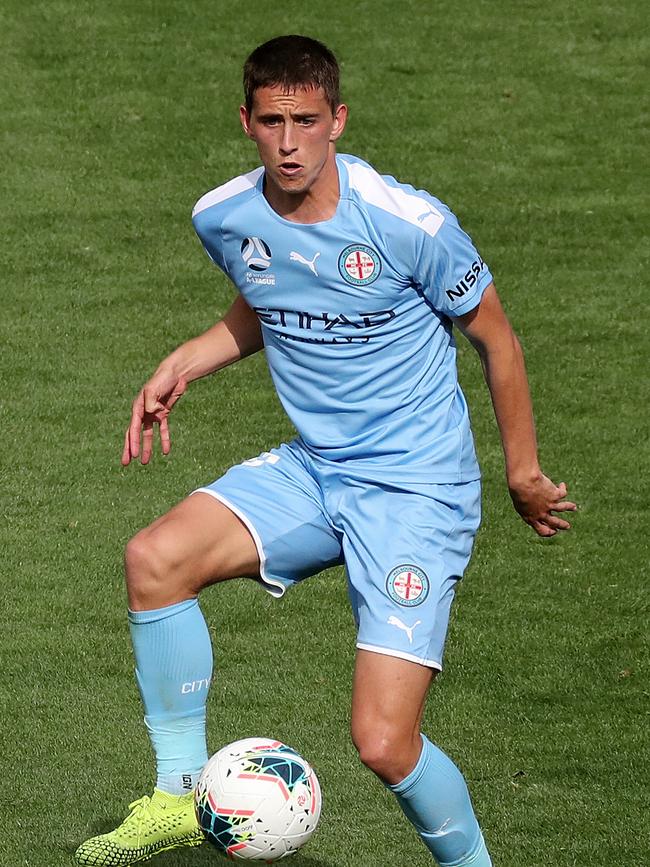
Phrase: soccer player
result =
(352, 283)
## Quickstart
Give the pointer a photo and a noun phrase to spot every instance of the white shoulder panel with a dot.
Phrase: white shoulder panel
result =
(373, 189)
(226, 191)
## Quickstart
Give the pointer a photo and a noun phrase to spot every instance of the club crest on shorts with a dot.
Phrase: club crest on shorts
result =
(407, 585)
(359, 265)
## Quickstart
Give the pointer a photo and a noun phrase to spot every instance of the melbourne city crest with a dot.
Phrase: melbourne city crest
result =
(359, 265)
(408, 585)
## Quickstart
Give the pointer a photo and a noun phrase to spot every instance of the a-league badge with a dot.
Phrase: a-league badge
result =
(256, 253)
(408, 585)
(359, 265)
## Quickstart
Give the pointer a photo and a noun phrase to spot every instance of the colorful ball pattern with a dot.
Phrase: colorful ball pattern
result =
(258, 800)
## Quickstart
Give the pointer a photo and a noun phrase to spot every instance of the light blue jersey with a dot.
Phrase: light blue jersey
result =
(356, 315)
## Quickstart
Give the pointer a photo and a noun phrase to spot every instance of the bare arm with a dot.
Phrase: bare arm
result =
(235, 336)
(534, 496)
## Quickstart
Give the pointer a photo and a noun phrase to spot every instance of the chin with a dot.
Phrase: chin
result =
(296, 187)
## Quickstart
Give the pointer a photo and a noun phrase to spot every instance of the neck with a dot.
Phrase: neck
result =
(316, 204)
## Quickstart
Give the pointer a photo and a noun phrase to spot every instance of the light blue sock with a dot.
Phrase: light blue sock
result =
(435, 799)
(173, 667)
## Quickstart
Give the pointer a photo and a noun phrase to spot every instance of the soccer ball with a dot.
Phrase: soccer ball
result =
(257, 800)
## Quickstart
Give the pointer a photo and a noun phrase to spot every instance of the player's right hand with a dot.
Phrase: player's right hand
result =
(150, 408)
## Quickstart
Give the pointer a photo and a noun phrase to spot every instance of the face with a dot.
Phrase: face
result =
(295, 134)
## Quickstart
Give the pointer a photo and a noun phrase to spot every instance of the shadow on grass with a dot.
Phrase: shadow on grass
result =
(202, 855)
(207, 855)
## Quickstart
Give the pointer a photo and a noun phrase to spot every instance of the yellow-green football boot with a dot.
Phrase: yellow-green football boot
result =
(154, 825)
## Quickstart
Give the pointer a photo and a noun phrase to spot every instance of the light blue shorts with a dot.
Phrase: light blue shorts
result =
(404, 550)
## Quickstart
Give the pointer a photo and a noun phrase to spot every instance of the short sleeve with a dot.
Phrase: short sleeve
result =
(449, 270)
(208, 227)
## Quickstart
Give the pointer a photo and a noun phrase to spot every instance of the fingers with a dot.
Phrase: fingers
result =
(178, 391)
(556, 523)
(566, 506)
(549, 525)
(160, 397)
(165, 439)
(151, 407)
(137, 414)
(538, 504)
(147, 442)
(143, 427)
(542, 529)
(126, 451)
(132, 437)
(552, 521)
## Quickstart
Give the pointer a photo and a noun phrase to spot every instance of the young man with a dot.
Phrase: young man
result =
(352, 283)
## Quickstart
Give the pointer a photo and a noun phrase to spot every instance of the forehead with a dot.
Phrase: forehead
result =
(278, 97)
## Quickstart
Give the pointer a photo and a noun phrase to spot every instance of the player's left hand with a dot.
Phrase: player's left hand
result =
(538, 500)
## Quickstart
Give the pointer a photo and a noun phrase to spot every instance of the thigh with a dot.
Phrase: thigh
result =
(278, 499)
(388, 692)
(388, 698)
(405, 553)
(196, 543)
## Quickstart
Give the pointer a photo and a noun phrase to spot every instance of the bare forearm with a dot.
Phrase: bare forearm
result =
(234, 337)
(536, 497)
(238, 334)
(505, 373)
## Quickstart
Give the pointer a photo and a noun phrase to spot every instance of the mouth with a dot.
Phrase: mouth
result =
(289, 169)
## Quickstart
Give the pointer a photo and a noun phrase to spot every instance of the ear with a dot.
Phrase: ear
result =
(245, 119)
(340, 119)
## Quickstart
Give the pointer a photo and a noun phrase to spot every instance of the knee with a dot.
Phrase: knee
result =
(148, 564)
(387, 752)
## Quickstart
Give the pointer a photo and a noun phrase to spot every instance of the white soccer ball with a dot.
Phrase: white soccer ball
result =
(256, 253)
(257, 800)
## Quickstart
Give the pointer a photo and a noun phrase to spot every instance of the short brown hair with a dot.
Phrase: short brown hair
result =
(292, 62)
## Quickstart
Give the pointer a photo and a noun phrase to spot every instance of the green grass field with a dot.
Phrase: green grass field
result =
(527, 119)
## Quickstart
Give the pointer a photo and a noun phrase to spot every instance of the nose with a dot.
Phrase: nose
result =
(288, 144)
